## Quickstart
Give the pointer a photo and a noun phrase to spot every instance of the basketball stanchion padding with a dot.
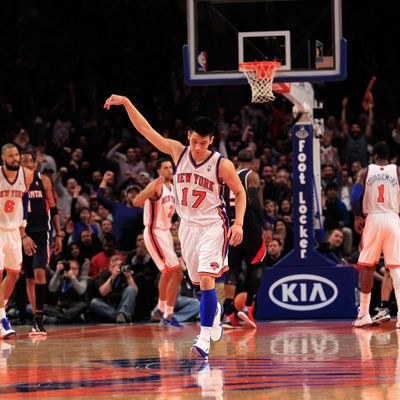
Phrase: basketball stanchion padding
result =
(260, 75)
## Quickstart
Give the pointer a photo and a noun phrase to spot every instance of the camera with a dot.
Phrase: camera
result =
(126, 268)
(66, 266)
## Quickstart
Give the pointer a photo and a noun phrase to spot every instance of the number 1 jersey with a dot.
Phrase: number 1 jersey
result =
(198, 189)
(381, 193)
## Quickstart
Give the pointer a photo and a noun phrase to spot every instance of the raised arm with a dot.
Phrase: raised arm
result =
(168, 146)
(152, 190)
(229, 175)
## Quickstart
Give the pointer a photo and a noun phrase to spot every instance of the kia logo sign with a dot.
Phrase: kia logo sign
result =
(303, 292)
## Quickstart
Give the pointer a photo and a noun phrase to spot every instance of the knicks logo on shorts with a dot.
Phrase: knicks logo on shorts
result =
(214, 265)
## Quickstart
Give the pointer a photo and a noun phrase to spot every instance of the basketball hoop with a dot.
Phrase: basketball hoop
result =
(260, 76)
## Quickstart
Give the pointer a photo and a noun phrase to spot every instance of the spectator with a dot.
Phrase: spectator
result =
(129, 165)
(335, 240)
(89, 244)
(146, 274)
(270, 213)
(127, 219)
(102, 260)
(82, 221)
(65, 195)
(356, 142)
(274, 252)
(283, 184)
(105, 228)
(336, 215)
(118, 292)
(69, 282)
(270, 189)
(284, 232)
(285, 210)
(328, 175)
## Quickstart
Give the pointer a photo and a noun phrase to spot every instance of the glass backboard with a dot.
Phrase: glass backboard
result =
(304, 35)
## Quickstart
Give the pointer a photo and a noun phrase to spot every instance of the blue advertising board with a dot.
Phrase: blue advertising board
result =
(305, 283)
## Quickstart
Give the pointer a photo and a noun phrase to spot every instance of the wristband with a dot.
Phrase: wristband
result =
(54, 211)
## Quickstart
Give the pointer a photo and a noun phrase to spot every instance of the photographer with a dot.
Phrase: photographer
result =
(69, 282)
(118, 292)
(146, 274)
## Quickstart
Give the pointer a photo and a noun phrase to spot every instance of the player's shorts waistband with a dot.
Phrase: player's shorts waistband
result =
(8, 229)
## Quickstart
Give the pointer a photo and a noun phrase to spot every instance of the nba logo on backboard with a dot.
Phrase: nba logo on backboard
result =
(202, 61)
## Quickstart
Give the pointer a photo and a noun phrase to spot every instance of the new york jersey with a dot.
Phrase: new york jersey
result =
(158, 213)
(381, 191)
(11, 209)
(198, 189)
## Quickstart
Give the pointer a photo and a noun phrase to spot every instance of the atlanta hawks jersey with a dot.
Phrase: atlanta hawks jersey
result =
(11, 209)
(198, 189)
(381, 193)
(158, 213)
(39, 210)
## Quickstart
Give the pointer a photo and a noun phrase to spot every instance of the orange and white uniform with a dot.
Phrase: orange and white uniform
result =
(204, 224)
(11, 217)
(381, 205)
(157, 235)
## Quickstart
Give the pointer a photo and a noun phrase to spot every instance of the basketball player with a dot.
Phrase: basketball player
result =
(378, 187)
(204, 231)
(42, 205)
(14, 181)
(159, 206)
(252, 250)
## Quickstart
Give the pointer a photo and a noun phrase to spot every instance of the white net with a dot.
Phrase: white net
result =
(260, 76)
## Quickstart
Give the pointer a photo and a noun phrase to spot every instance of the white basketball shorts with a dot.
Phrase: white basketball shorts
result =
(204, 249)
(160, 245)
(381, 234)
(10, 250)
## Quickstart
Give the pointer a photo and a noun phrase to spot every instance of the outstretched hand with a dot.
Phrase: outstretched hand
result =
(114, 100)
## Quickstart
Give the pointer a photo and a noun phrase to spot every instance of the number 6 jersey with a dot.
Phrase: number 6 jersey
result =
(11, 210)
(198, 189)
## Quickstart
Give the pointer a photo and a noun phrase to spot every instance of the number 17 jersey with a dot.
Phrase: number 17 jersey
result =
(198, 189)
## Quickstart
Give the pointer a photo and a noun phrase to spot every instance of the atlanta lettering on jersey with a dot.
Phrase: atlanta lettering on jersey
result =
(11, 193)
(382, 177)
(198, 180)
(35, 194)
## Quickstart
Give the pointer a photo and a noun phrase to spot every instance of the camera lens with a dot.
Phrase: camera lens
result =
(126, 268)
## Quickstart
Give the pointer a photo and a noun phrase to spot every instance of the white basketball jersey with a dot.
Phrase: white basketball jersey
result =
(11, 209)
(158, 213)
(381, 193)
(198, 189)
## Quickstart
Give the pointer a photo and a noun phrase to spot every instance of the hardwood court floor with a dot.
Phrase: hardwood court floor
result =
(280, 360)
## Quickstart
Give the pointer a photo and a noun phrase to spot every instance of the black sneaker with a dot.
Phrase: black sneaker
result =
(382, 316)
(37, 329)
